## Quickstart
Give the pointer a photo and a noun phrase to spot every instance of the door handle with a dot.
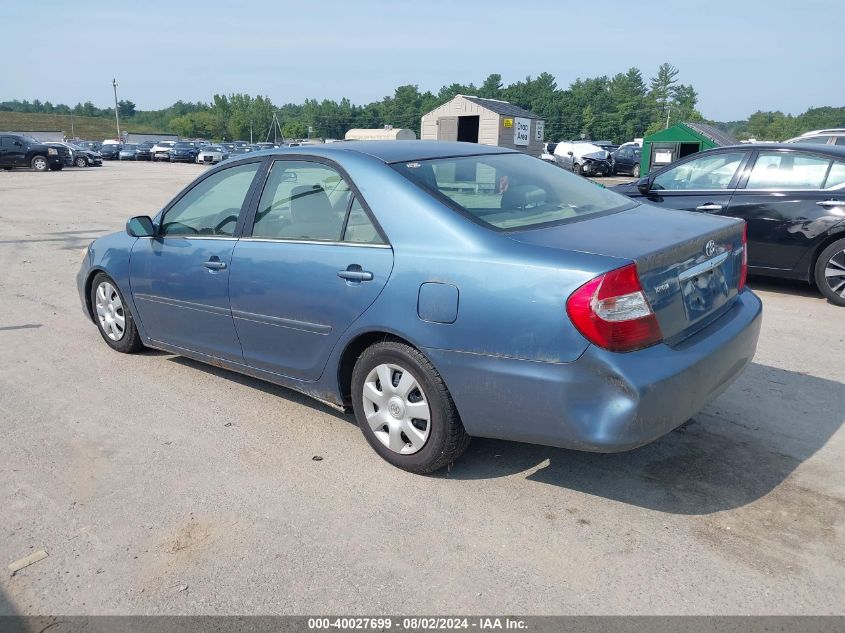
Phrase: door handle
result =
(709, 207)
(830, 203)
(214, 264)
(355, 273)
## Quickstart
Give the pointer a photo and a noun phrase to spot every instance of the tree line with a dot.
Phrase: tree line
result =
(617, 108)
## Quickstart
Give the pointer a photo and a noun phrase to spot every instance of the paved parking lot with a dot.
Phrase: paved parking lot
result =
(160, 485)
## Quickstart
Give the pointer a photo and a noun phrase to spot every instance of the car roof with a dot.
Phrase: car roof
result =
(390, 151)
(835, 150)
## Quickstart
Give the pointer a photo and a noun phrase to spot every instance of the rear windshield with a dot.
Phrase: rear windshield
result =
(184, 146)
(511, 191)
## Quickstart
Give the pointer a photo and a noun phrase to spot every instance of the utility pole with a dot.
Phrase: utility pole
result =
(116, 116)
(668, 112)
(72, 133)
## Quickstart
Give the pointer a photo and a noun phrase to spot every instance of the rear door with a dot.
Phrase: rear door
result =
(180, 277)
(790, 199)
(12, 151)
(314, 262)
(704, 183)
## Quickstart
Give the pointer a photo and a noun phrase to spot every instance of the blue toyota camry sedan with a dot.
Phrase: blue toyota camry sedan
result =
(439, 291)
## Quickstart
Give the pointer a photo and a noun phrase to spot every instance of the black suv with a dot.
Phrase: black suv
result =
(17, 150)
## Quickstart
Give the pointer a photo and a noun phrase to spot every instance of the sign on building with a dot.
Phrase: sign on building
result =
(539, 130)
(521, 131)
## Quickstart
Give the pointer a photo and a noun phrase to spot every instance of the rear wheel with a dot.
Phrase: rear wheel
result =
(830, 272)
(636, 171)
(115, 322)
(404, 408)
(39, 163)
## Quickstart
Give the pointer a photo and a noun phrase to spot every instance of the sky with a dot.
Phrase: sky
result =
(740, 55)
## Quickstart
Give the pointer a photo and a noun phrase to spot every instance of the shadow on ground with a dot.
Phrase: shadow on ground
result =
(740, 448)
(785, 286)
(737, 450)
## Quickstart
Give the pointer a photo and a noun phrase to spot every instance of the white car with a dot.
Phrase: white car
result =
(548, 153)
(830, 136)
(211, 154)
(583, 158)
(161, 150)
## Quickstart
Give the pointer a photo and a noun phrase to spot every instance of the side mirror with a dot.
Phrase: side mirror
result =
(140, 226)
(644, 185)
(569, 154)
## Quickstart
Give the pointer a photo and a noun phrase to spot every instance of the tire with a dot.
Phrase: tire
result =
(127, 340)
(438, 442)
(39, 163)
(635, 172)
(576, 169)
(830, 273)
(81, 162)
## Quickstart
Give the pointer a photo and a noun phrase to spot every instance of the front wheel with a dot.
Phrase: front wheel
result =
(404, 409)
(81, 162)
(830, 273)
(636, 171)
(39, 163)
(114, 320)
(576, 169)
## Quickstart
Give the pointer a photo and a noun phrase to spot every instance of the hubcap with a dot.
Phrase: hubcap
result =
(110, 311)
(834, 273)
(396, 409)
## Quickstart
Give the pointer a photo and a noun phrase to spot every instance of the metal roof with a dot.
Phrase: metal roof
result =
(714, 134)
(502, 107)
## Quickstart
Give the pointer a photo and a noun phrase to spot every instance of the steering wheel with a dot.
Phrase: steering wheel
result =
(231, 215)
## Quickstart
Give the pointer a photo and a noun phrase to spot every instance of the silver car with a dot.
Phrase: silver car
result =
(211, 154)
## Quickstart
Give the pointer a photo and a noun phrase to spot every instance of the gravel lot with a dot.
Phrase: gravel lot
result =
(160, 485)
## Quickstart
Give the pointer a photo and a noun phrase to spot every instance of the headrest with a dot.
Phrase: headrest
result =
(310, 203)
(521, 196)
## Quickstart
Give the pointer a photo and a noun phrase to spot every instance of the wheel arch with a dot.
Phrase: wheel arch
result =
(89, 283)
(837, 233)
(353, 349)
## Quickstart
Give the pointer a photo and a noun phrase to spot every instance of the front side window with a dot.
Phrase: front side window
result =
(704, 173)
(302, 200)
(511, 191)
(212, 207)
(787, 170)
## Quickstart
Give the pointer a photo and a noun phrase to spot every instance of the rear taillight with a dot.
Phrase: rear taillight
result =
(743, 271)
(612, 311)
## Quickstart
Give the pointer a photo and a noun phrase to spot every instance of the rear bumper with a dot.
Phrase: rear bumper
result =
(604, 401)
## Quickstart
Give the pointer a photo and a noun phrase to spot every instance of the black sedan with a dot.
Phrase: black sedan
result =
(791, 196)
(144, 150)
(626, 160)
(111, 151)
(183, 152)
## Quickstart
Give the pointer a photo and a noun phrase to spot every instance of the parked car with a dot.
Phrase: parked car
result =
(144, 150)
(583, 158)
(212, 154)
(78, 156)
(603, 325)
(93, 146)
(626, 160)
(832, 136)
(110, 151)
(161, 150)
(548, 153)
(791, 195)
(19, 150)
(183, 151)
(128, 151)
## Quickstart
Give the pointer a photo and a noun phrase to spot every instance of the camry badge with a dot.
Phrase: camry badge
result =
(710, 248)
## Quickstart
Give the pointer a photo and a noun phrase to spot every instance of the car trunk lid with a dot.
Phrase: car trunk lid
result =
(689, 264)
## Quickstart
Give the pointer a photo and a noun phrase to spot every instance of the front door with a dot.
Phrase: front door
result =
(315, 261)
(703, 184)
(180, 277)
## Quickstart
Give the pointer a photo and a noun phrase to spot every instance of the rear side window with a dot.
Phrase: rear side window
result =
(836, 177)
(787, 170)
(840, 140)
(359, 228)
(302, 201)
(818, 140)
(511, 191)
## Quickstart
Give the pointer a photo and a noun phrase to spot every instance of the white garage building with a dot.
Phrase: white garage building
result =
(486, 121)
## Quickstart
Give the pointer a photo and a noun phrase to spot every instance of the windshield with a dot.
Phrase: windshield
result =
(511, 191)
(184, 146)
